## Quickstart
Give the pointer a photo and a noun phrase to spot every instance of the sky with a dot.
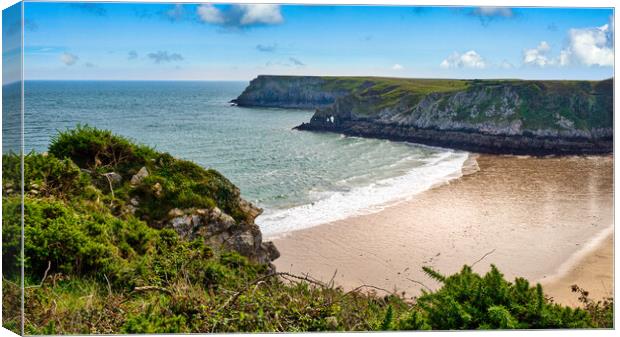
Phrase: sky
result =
(134, 41)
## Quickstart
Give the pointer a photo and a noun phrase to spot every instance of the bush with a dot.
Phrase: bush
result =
(183, 184)
(74, 243)
(99, 150)
(467, 301)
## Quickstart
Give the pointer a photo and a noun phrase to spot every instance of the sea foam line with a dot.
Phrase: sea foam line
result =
(367, 199)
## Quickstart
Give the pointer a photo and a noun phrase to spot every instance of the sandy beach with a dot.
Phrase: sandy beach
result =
(549, 220)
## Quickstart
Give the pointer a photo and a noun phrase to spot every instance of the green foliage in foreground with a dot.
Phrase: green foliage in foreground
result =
(92, 268)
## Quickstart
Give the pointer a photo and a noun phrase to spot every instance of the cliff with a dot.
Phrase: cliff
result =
(493, 116)
(303, 92)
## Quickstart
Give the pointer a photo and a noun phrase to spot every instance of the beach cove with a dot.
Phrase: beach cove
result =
(549, 220)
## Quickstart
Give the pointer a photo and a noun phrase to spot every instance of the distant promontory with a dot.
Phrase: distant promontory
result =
(490, 116)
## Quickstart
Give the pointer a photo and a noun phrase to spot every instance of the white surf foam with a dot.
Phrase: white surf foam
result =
(338, 205)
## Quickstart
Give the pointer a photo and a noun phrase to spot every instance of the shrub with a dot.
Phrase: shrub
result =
(97, 149)
(467, 300)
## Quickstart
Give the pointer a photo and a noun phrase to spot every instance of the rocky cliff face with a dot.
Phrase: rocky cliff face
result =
(496, 116)
(213, 225)
(220, 229)
(303, 92)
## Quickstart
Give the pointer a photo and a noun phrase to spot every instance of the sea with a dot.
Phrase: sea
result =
(301, 179)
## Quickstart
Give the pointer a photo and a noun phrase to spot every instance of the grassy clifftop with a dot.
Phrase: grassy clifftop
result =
(537, 104)
(448, 104)
(120, 238)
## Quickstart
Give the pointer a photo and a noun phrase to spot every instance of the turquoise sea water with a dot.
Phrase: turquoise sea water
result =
(300, 178)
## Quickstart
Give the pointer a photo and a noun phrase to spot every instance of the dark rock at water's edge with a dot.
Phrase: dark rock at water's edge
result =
(488, 116)
(469, 141)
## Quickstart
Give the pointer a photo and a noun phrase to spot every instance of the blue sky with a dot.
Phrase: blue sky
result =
(237, 42)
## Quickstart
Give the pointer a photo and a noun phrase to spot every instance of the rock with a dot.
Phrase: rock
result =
(218, 228)
(216, 212)
(175, 212)
(137, 178)
(250, 209)
(113, 178)
(220, 218)
(243, 243)
(183, 226)
(157, 189)
(225, 219)
(134, 201)
(270, 249)
(202, 212)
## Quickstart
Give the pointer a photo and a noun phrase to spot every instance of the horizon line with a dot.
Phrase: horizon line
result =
(347, 76)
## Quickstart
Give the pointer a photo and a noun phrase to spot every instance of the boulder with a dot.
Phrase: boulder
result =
(270, 249)
(138, 177)
(250, 209)
(243, 243)
(218, 228)
(184, 226)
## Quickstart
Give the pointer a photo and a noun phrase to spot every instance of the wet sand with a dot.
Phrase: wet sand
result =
(545, 219)
(594, 273)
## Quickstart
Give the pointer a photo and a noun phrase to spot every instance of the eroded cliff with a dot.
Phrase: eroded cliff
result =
(496, 116)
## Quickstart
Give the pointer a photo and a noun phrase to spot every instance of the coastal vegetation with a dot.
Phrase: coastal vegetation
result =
(107, 250)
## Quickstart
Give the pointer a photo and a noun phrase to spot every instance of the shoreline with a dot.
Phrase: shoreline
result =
(527, 215)
(528, 144)
(442, 166)
(592, 269)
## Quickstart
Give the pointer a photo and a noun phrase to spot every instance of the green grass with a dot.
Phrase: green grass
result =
(377, 93)
(91, 268)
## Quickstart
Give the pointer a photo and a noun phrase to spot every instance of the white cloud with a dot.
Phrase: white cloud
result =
(538, 56)
(565, 57)
(397, 67)
(242, 15)
(68, 59)
(587, 46)
(469, 59)
(590, 46)
(210, 14)
(257, 14)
